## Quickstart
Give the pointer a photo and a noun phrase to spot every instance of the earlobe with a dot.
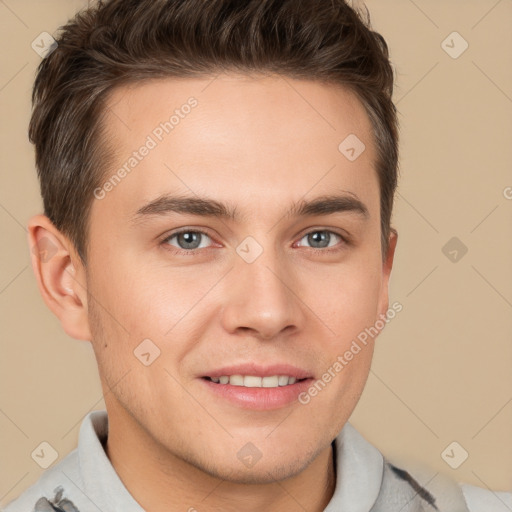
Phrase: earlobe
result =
(59, 275)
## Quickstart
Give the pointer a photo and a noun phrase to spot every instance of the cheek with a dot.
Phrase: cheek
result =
(148, 302)
(143, 300)
(121, 315)
(345, 298)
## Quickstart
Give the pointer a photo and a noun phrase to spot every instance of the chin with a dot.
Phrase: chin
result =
(259, 471)
(259, 474)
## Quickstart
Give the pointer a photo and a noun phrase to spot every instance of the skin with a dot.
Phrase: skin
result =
(258, 143)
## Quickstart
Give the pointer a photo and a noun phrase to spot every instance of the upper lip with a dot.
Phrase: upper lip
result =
(258, 370)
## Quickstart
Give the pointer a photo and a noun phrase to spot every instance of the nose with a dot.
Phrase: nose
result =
(262, 298)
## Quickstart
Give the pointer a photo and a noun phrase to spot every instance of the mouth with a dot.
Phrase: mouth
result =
(254, 381)
(256, 387)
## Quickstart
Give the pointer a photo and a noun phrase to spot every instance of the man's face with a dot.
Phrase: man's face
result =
(265, 293)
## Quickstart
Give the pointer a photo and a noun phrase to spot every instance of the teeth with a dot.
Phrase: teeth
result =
(270, 382)
(236, 380)
(283, 380)
(251, 381)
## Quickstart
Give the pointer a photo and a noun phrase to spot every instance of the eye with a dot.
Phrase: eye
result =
(321, 239)
(188, 240)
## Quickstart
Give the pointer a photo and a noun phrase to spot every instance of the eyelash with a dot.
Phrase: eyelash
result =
(345, 242)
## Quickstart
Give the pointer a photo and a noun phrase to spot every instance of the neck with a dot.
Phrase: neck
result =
(158, 480)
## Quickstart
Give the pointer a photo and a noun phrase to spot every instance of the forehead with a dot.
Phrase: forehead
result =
(252, 137)
(228, 101)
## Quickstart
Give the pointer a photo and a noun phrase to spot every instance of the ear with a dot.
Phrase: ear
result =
(60, 276)
(387, 265)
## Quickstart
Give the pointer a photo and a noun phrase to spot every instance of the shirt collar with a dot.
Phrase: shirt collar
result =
(359, 469)
(101, 482)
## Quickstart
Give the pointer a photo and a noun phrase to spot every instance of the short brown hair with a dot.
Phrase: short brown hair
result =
(118, 42)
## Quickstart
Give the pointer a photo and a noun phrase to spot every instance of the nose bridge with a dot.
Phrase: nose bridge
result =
(260, 296)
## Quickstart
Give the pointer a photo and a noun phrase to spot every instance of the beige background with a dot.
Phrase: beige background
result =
(442, 368)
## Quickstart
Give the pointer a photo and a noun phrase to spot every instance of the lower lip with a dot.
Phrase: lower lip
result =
(261, 399)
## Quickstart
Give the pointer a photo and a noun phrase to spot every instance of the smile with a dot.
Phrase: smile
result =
(253, 381)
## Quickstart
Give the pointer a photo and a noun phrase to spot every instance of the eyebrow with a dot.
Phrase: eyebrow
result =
(323, 205)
